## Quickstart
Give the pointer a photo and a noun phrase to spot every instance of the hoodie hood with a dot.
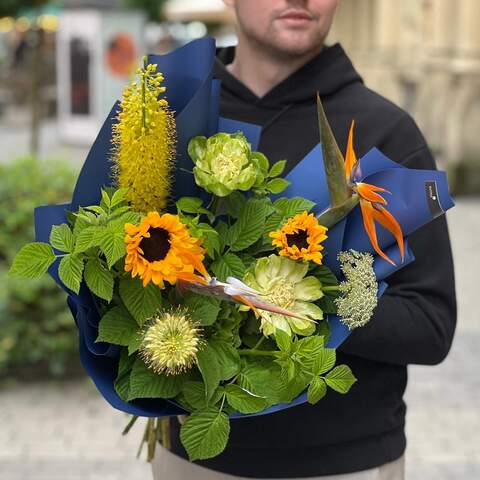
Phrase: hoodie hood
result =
(330, 71)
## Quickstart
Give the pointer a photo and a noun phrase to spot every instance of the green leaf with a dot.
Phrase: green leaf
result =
(205, 433)
(106, 198)
(296, 385)
(189, 204)
(327, 304)
(210, 369)
(235, 202)
(273, 223)
(324, 361)
(118, 197)
(201, 308)
(244, 401)
(117, 223)
(289, 207)
(222, 230)
(227, 357)
(284, 342)
(145, 383)
(228, 265)
(316, 390)
(324, 275)
(112, 245)
(33, 260)
(122, 382)
(117, 326)
(70, 271)
(323, 330)
(81, 223)
(277, 185)
(97, 209)
(135, 343)
(262, 378)
(194, 393)
(277, 168)
(98, 279)
(142, 302)
(340, 379)
(249, 226)
(307, 349)
(88, 238)
(61, 238)
(261, 160)
(211, 241)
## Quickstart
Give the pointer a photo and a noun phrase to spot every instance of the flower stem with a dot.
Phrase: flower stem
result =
(130, 424)
(164, 424)
(259, 353)
(151, 439)
(262, 338)
(331, 288)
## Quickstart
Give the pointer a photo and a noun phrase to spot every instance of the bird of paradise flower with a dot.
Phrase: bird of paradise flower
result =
(346, 190)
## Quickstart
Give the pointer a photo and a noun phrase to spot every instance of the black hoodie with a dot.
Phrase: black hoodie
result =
(414, 321)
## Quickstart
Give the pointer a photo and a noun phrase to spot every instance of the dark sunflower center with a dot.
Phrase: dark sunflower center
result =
(157, 245)
(299, 239)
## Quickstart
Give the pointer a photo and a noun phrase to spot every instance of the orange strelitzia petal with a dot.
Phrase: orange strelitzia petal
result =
(368, 192)
(385, 218)
(368, 216)
(350, 157)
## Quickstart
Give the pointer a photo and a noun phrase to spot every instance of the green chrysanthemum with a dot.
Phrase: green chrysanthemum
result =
(358, 293)
(224, 162)
(282, 282)
(171, 342)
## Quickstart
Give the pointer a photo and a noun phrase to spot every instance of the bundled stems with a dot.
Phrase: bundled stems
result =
(164, 424)
(130, 424)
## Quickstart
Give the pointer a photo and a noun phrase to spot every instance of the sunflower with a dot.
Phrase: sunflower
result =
(160, 248)
(300, 238)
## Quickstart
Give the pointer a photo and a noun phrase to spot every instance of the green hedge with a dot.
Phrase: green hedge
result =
(37, 333)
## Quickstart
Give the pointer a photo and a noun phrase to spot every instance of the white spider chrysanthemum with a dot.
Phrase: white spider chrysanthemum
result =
(358, 293)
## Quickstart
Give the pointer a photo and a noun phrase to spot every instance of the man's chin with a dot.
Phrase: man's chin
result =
(291, 48)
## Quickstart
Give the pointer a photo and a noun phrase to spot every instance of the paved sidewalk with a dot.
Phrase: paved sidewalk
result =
(68, 432)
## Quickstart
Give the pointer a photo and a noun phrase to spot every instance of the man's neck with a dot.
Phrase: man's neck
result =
(260, 71)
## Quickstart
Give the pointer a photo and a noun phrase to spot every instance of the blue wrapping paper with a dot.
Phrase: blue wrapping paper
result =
(194, 96)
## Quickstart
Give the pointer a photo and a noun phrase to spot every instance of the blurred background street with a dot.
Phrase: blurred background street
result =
(422, 54)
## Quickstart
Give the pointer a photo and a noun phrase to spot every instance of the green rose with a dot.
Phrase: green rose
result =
(282, 282)
(224, 163)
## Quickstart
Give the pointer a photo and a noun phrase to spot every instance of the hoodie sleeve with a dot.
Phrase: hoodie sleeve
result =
(415, 319)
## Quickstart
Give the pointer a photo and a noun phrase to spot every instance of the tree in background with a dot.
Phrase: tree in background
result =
(34, 39)
(153, 8)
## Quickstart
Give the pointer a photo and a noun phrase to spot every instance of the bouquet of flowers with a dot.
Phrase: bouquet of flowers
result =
(202, 282)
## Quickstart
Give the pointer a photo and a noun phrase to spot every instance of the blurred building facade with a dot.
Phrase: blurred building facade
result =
(425, 56)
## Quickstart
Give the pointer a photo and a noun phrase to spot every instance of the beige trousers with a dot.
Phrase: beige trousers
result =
(168, 466)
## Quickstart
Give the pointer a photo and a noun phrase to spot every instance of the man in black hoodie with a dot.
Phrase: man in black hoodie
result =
(271, 79)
